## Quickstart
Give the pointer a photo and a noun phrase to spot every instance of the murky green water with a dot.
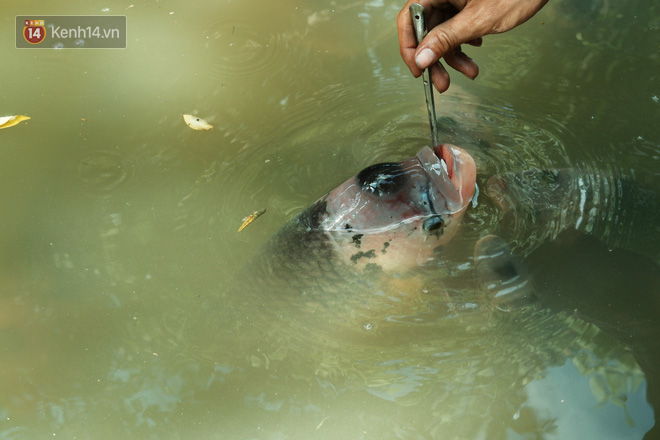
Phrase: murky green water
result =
(118, 238)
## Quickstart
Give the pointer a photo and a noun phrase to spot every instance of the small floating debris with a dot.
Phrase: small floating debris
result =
(196, 123)
(250, 218)
(10, 121)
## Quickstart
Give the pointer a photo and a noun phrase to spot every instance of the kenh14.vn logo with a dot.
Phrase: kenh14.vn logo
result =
(34, 31)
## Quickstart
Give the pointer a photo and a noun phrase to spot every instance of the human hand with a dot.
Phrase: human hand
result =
(452, 23)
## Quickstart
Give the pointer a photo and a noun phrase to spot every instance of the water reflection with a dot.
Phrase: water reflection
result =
(117, 316)
(490, 371)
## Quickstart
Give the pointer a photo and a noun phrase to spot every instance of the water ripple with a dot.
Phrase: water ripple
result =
(102, 172)
(243, 50)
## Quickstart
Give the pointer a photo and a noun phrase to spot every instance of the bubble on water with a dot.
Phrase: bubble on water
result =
(79, 43)
(59, 45)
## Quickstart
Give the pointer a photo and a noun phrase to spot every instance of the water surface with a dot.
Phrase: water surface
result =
(118, 238)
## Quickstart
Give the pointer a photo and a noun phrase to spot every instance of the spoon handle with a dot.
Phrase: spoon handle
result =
(417, 15)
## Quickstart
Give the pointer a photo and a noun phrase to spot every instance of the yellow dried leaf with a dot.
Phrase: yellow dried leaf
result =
(196, 123)
(10, 121)
(250, 218)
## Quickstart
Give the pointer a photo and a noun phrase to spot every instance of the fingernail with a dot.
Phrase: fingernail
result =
(424, 58)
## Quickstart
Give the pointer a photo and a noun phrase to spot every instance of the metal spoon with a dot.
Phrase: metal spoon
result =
(417, 15)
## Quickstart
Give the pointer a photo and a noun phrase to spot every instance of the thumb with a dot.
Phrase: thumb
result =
(444, 38)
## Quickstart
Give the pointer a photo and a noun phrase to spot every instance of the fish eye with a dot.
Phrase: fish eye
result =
(382, 178)
(433, 223)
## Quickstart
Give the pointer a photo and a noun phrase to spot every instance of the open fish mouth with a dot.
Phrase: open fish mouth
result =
(443, 169)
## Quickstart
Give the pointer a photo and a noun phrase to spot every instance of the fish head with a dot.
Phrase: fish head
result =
(397, 215)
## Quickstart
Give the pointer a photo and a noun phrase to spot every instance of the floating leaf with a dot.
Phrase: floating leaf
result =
(10, 121)
(250, 218)
(196, 123)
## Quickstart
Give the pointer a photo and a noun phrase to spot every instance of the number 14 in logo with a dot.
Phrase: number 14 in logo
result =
(34, 31)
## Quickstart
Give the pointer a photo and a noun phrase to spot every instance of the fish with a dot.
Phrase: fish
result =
(369, 251)
(351, 258)
(348, 294)
(388, 217)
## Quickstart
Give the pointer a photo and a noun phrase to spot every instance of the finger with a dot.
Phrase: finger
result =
(407, 41)
(463, 63)
(439, 77)
(446, 37)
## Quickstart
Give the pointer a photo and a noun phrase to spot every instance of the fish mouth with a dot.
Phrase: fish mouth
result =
(444, 165)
